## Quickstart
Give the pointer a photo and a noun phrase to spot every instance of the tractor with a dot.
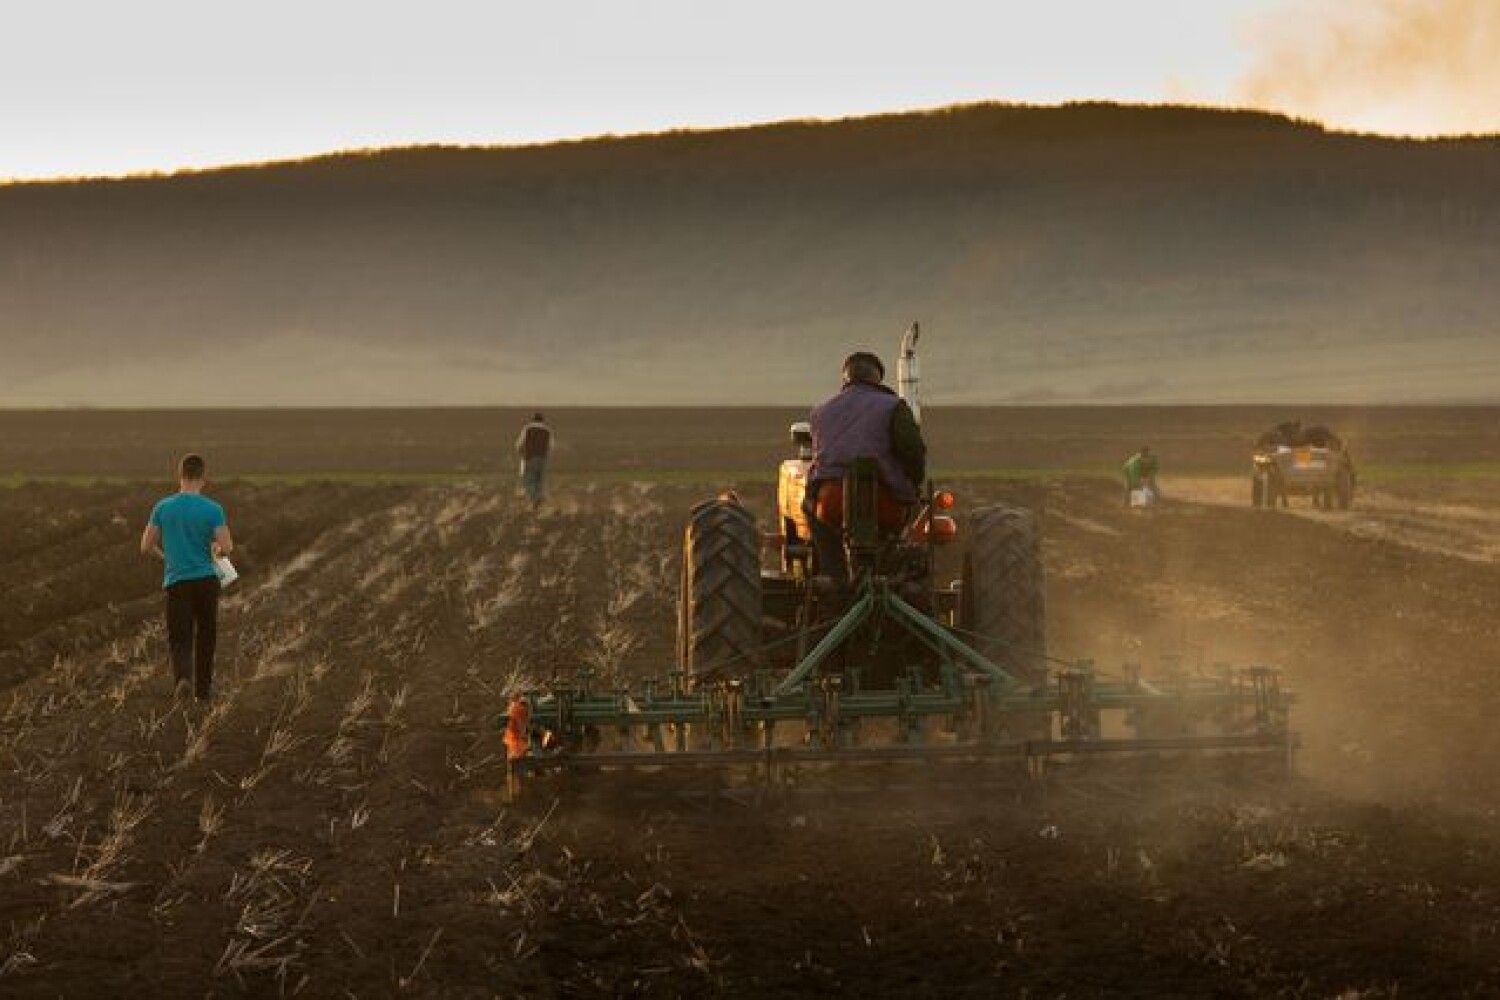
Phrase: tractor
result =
(782, 666)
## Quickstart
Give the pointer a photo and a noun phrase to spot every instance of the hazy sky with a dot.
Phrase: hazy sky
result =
(111, 87)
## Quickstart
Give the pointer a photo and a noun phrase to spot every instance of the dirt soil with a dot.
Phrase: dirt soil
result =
(1455, 518)
(603, 443)
(335, 824)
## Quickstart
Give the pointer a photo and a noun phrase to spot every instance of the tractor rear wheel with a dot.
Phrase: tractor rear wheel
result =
(720, 605)
(1002, 600)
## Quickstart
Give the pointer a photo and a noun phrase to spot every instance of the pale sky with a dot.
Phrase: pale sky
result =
(90, 88)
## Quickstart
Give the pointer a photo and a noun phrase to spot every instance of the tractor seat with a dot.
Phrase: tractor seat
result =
(891, 514)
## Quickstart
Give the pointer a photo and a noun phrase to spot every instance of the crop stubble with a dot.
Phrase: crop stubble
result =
(335, 821)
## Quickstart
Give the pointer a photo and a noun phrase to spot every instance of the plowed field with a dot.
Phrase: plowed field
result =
(335, 825)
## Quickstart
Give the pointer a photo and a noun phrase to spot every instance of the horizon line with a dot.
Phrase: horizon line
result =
(314, 156)
(1456, 404)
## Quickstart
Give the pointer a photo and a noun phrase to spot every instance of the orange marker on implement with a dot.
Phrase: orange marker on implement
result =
(517, 728)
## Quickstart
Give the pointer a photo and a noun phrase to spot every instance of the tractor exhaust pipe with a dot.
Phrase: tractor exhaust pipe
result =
(908, 372)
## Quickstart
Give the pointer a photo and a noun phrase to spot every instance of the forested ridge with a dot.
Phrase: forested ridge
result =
(1080, 253)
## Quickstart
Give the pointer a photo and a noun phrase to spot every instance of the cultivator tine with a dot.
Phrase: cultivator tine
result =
(1269, 704)
(1075, 691)
(563, 716)
(733, 713)
(977, 703)
(825, 715)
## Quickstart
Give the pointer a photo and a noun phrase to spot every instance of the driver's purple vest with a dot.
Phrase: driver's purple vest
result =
(858, 422)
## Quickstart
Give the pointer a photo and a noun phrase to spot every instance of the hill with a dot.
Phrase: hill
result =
(1087, 253)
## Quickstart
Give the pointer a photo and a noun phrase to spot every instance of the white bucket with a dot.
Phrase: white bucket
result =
(1143, 497)
(225, 571)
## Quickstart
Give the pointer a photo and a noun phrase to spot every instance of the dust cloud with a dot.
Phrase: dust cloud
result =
(1422, 67)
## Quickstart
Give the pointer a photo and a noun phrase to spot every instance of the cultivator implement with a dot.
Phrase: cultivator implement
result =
(970, 710)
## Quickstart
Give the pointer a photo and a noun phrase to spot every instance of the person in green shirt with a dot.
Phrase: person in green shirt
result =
(1140, 472)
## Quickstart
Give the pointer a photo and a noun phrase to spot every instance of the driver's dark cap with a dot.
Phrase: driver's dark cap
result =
(862, 366)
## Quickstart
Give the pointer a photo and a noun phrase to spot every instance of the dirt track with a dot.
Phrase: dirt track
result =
(1453, 521)
(336, 825)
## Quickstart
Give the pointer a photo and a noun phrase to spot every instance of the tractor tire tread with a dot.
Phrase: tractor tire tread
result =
(720, 606)
(1004, 597)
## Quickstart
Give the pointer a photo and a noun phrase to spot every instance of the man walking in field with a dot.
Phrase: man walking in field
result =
(1140, 474)
(186, 530)
(533, 445)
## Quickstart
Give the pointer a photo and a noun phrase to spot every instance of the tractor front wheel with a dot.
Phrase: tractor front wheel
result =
(719, 608)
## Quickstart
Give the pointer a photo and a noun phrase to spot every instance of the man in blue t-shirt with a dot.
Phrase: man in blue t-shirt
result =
(185, 532)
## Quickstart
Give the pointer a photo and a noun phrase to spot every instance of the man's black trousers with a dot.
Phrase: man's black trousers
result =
(192, 630)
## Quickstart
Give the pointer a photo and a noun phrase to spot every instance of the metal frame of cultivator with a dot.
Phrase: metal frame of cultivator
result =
(812, 717)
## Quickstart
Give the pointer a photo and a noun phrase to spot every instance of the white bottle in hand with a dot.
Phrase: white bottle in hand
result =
(225, 570)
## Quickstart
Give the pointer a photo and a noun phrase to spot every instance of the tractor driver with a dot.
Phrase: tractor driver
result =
(864, 419)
